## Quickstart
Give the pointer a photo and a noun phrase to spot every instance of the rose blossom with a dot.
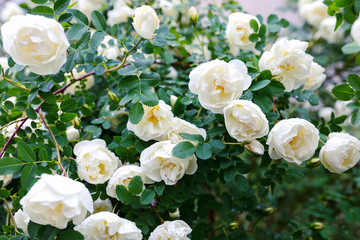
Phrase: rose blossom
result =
(245, 121)
(355, 31)
(288, 61)
(217, 83)
(22, 220)
(317, 77)
(10, 9)
(295, 140)
(340, 153)
(326, 31)
(145, 21)
(36, 41)
(314, 12)
(95, 162)
(155, 122)
(123, 176)
(57, 200)
(177, 229)
(107, 225)
(102, 206)
(119, 14)
(158, 163)
(238, 31)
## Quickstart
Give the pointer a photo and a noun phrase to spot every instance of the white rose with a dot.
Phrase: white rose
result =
(295, 140)
(6, 179)
(10, 9)
(145, 21)
(217, 83)
(88, 6)
(317, 77)
(4, 63)
(340, 153)
(326, 31)
(22, 220)
(314, 12)
(57, 200)
(72, 134)
(158, 163)
(169, 8)
(95, 162)
(120, 13)
(288, 61)
(173, 74)
(341, 109)
(123, 176)
(102, 205)
(177, 229)
(36, 41)
(107, 225)
(326, 113)
(193, 14)
(181, 126)
(238, 31)
(155, 122)
(245, 121)
(109, 48)
(256, 147)
(88, 82)
(355, 31)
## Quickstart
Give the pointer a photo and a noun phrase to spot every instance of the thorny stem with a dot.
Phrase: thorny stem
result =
(55, 143)
(61, 90)
(201, 42)
(18, 85)
(11, 215)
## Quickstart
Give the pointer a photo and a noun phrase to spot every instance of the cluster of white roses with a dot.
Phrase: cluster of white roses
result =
(315, 13)
(57, 200)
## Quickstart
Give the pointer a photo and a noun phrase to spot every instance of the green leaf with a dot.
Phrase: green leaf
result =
(339, 20)
(27, 175)
(39, 1)
(66, 17)
(66, 117)
(4, 194)
(259, 85)
(76, 31)
(203, 151)
(43, 155)
(98, 20)
(150, 79)
(43, 11)
(68, 105)
(242, 182)
(60, 5)
(25, 152)
(31, 113)
(354, 81)
(136, 113)
(10, 165)
(229, 174)
(129, 82)
(350, 48)
(254, 25)
(192, 137)
(159, 188)
(96, 39)
(70, 234)
(136, 185)
(254, 37)
(183, 150)
(147, 196)
(123, 194)
(149, 98)
(48, 97)
(79, 16)
(343, 92)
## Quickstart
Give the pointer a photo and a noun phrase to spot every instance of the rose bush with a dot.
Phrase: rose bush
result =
(178, 120)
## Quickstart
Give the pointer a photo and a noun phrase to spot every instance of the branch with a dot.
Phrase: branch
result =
(61, 90)
(18, 85)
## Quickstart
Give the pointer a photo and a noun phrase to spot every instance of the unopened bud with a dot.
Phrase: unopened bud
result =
(112, 96)
(173, 100)
(256, 147)
(175, 214)
(317, 226)
(268, 211)
(193, 14)
(313, 163)
(234, 225)
(76, 122)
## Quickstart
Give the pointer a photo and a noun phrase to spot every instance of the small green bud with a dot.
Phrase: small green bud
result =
(317, 226)
(193, 14)
(76, 122)
(234, 225)
(268, 211)
(112, 96)
(313, 163)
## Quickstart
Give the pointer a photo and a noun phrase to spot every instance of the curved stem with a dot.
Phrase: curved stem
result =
(201, 42)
